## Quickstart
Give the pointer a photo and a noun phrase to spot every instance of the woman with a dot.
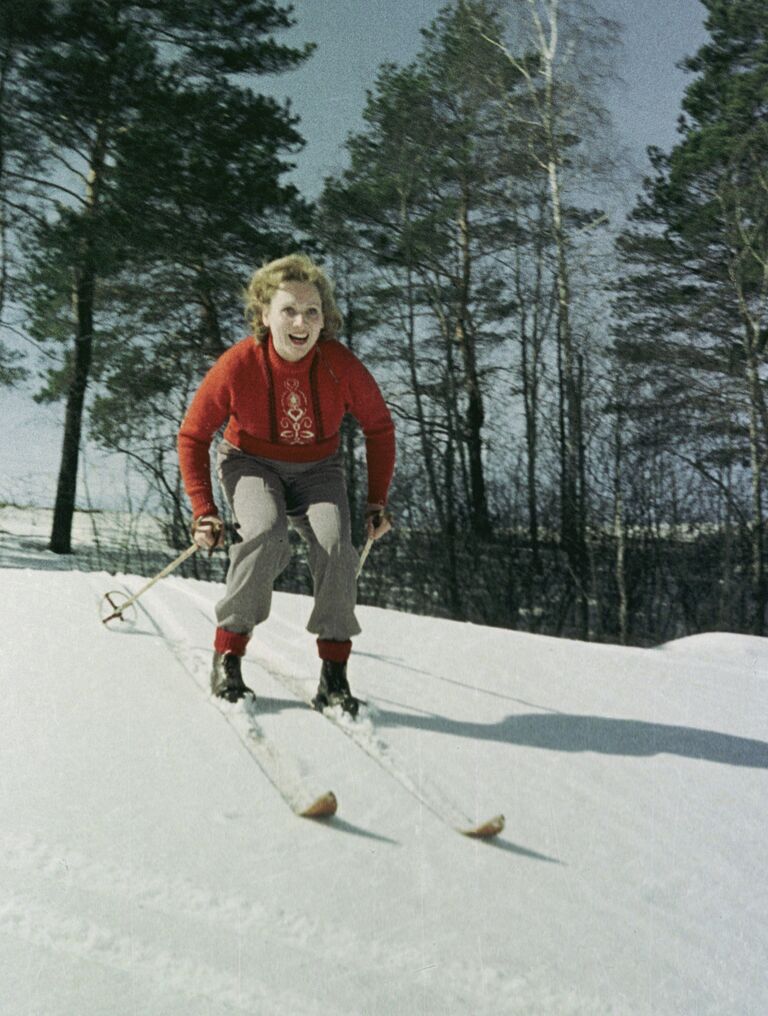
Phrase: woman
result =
(283, 393)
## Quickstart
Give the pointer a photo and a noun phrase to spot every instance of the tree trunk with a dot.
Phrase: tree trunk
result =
(475, 414)
(425, 438)
(83, 294)
(758, 525)
(572, 521)
(210, 325)
(349, 434)
(620, 534)
(66, 491)
(530, 399)
(582, 547)
(726, 612)
(451, 527)
(4, 254)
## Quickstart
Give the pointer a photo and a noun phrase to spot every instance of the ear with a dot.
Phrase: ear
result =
(265, 316)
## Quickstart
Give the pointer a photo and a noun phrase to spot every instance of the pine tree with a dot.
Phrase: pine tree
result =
(113, 66)
(426, 195)
(217, 210)
(695, 298)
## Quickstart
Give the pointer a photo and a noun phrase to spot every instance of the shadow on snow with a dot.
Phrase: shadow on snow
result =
(571, 732)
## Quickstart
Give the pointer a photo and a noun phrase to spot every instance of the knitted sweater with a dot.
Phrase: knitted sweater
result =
(291, 412)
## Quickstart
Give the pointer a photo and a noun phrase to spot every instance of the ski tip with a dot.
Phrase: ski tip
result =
(323, 807)
(486, 830)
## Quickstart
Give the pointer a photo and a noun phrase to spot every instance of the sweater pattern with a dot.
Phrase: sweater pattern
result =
(296, 425)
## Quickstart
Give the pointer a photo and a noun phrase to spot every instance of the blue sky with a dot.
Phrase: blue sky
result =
(353, 38)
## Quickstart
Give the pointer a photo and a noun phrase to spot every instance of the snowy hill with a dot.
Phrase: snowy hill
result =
(148, 867)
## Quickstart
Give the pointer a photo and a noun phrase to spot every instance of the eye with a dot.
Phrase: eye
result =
(313, 312)
(289, 311)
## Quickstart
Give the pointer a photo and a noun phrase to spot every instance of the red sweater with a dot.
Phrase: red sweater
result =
(291, 412)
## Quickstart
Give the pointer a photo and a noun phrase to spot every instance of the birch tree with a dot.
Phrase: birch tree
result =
(560, 49)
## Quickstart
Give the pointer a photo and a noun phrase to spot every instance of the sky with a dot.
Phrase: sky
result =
(354, 37)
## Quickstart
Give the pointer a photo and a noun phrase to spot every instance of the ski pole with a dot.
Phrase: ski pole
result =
(160, 575)
(381, 515)
(363, 555)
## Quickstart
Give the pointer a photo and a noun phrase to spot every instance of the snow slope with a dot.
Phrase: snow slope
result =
(148, 867)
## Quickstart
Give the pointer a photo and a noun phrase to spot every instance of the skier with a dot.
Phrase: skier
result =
(283, 392)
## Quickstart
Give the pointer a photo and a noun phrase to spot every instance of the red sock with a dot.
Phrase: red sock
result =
(230, 642)
(332, 649)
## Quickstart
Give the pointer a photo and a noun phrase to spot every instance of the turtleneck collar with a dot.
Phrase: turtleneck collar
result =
(277, 363)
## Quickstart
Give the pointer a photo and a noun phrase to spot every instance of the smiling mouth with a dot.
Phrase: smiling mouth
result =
(299, 339)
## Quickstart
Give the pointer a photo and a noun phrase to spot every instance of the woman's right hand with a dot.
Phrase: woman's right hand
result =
(378, 521)
(208, 532)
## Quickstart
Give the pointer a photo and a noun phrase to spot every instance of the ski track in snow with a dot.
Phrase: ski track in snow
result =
(362, 731)
(164, 894)
(49, 928)
(289, 774)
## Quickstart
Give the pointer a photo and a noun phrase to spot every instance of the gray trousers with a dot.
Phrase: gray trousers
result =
(265, 497)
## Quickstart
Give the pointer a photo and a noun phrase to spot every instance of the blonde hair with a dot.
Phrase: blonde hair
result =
(266, 281)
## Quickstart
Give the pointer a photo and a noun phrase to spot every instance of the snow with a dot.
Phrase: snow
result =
(148, 867)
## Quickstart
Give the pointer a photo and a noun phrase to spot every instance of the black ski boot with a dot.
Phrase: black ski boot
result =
(227, 679)
(333, 689)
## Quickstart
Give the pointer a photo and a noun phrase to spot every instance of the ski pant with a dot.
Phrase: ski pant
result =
(265, 496)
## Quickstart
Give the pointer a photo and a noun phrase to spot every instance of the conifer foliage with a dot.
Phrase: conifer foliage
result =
(694, 296)
(143, 124)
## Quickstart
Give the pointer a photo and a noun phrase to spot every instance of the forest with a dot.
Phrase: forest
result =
(580, 402)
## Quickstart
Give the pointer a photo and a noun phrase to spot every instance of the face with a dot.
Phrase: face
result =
(295, 318)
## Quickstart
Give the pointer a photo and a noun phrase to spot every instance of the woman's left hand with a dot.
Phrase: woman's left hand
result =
(378, 521)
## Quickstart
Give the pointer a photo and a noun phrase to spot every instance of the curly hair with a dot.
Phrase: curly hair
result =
(266, 281)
